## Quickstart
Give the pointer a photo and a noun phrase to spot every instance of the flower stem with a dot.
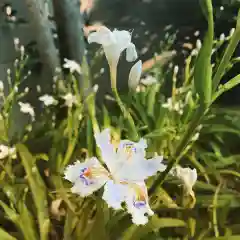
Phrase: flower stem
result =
(126, 114)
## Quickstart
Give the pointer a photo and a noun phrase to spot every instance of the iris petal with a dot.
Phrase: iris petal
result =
(114, 43)
(103, 36)
(131, 53)
(103, 141)
(87, 177)
(188, 177)
(132, 156)
(114, 194)
(137, 203)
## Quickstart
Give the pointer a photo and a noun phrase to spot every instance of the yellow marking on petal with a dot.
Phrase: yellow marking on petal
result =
(140, 193)
(95, 172)
(129, 149)
(115, 140)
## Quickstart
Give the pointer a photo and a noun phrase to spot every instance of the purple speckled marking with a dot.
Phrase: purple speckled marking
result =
(139, 204)
(84, 179)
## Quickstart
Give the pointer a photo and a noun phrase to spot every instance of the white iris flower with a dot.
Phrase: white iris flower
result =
(123, 179)
(188, 176)
(27, 108)
(114, 43)
(48, 100)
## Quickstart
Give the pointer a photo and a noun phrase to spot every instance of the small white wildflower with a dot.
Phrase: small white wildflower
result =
(148, 80)
(48, 100)
(13, 18)
(221, 8)
(16, 62)
(8, 10)
(198, 44)
(194, 52)
(95, 88)
(146, 32)
(70, 100)
(168, 104)
(38, 87)
(54, 118)
(102, 70)
(180, 90)
(176, 107)
(72, 65)
(16, 42)
(1, 86)
(7, 151)
(26, 90)
(176, 69)
(197, 33)
(180, 112)
(27, 108)
(144, 50)
(58, 70)
(222, 37)
(22, 51)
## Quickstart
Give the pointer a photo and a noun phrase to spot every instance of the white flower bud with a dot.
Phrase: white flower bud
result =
(135, 74)
(198, 44)
(222, 37)
(231, 32)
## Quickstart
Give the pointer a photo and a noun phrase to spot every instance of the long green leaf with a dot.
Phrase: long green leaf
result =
(227, 54)
(156, 223)
(227, 86)
(38, 189)
(203, 68)
(6, 236)
(235, 237)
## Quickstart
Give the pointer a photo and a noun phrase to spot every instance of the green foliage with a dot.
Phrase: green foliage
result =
(203, 68)
(36, 202)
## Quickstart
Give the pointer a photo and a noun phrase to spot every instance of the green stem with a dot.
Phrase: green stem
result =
(214, 211)
(92, 114)
(227, 55)
(126, 114)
